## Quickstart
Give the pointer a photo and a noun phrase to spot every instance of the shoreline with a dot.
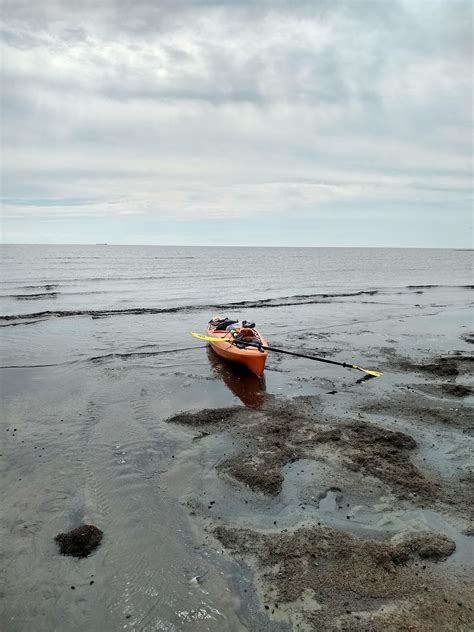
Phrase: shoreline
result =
(195, 470)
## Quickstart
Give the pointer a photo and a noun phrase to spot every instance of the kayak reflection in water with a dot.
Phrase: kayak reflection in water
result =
(249, 388)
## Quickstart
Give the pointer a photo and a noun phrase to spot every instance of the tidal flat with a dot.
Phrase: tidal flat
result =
(314, 499)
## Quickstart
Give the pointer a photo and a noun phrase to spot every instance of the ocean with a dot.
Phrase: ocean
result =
(164, 278)
(96, 355)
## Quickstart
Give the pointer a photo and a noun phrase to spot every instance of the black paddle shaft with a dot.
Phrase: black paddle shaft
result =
(298, 355)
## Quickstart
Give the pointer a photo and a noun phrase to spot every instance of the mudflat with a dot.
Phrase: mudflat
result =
(353, 507)
(369, 569)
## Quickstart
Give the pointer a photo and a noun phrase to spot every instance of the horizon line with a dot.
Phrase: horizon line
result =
(236, 246)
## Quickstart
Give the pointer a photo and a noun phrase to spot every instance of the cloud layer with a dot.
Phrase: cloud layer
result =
(167, 111)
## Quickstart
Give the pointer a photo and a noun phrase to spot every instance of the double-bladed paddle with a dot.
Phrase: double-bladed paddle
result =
(293, 353)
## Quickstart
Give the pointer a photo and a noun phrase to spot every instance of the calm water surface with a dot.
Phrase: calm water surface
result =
(42, 278)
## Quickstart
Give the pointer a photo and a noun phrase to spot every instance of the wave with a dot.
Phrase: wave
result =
(34, 297)
(24, 323)
(56, 282)
(48, 294)
(63, 258)
(283, 301)
(139, 354)
(49, 287)
(429, 287)
(104, 358)
(298, 299)
(101, 313)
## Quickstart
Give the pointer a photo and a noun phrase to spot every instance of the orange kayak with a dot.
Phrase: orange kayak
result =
(252, 358)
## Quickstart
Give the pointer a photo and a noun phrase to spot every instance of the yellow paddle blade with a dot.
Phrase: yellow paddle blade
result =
(373, 373)
(210, 338)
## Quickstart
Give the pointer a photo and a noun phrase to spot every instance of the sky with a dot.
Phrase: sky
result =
(202, 122)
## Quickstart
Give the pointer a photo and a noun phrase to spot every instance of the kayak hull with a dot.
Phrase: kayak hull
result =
(253, 359)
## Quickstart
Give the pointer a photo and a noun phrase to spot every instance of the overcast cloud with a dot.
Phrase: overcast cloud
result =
(185, 121)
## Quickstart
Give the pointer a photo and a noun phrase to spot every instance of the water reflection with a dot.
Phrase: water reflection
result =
(249, 388)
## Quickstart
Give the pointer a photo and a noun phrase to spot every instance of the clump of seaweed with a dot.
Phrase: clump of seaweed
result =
(79, 542)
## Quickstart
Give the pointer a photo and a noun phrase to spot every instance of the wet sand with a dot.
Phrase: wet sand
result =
(353, 507)
(313, 500)
(370, 575)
